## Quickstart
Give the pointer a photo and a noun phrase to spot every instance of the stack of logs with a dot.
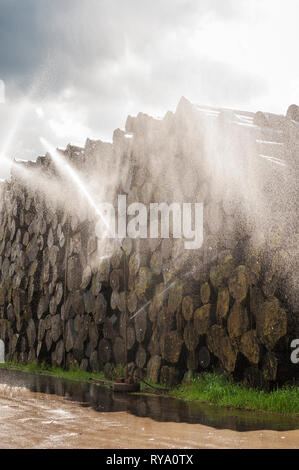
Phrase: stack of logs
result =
(162, 309)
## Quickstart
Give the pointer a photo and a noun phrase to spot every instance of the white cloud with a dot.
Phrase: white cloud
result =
(104, 60)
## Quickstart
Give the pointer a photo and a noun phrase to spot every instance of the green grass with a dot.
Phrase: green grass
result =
(74, 373)
(219, 389)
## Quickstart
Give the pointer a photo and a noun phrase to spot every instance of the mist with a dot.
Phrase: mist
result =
(76, 70)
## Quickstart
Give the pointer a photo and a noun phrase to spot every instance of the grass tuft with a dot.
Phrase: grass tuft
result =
(219, 389)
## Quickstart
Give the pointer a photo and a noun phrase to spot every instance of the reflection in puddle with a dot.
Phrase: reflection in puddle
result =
(162, 409)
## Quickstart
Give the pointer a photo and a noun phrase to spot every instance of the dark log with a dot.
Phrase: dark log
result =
(127, 245)
(69, 335)
(153, 368)
(47, 322)
(250, 347)
(94, 362)
(157, 302)
(269, 366)
(122, 301)
(32, 355)
(169, 375)
(32, 268)
(154, 343)
(104, 351)
(108, 329)
(220, 345)
(84, 364)
(58, 354)
(203, 319)
(89, 301)
(58, 293)
(171, 346)
(140, 358)
(10, 313)
(256, 300)
(166, 319)
(53, 305)
(270, 284)
(156, 263)
(168, 271)
(131, 337)
(222, 303)
(191, 338)
(154, 243)
(77, 244)
(238, 283)
(93, 335)
(91, 245)
(74, 273)
(60, 236)
(137, 259)
(175, 297)
(117, 259)
(31, 333)
(140, 323)
(78, 349)
(104, 270)
(78, 323)
(86, 277)
(189, 305)
(192, 361)
(117, 280)
(50, 238)
(238, 322)
(41, 330)
(228, 354)
(45, 273)
(56, 327)
(32, 249)
(271, 323)
(143, 282)
(53, 255)
(31, 288)
(96, 284)
(204, 357)
(75, 303)
(214, 337)
(24, 344)
(253, 377)
(132, 302)
(205, 293)
(53, 277)
(119, 350)
(114, 300)
(100, 309)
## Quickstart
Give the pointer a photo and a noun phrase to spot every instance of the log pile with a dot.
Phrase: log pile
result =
(231, 305)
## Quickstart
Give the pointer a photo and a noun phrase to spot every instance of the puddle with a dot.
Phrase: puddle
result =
(158, 408)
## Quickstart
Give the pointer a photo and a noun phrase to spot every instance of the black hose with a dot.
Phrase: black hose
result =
(155, 387)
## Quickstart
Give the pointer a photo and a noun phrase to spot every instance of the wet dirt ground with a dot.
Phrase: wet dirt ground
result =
(80, 418)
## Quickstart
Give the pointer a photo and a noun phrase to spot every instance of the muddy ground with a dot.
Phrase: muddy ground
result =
(37, 420)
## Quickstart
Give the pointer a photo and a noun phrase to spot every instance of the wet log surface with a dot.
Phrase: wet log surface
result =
(70, 299)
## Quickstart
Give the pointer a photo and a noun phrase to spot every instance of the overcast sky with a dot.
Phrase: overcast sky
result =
(76, 68)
